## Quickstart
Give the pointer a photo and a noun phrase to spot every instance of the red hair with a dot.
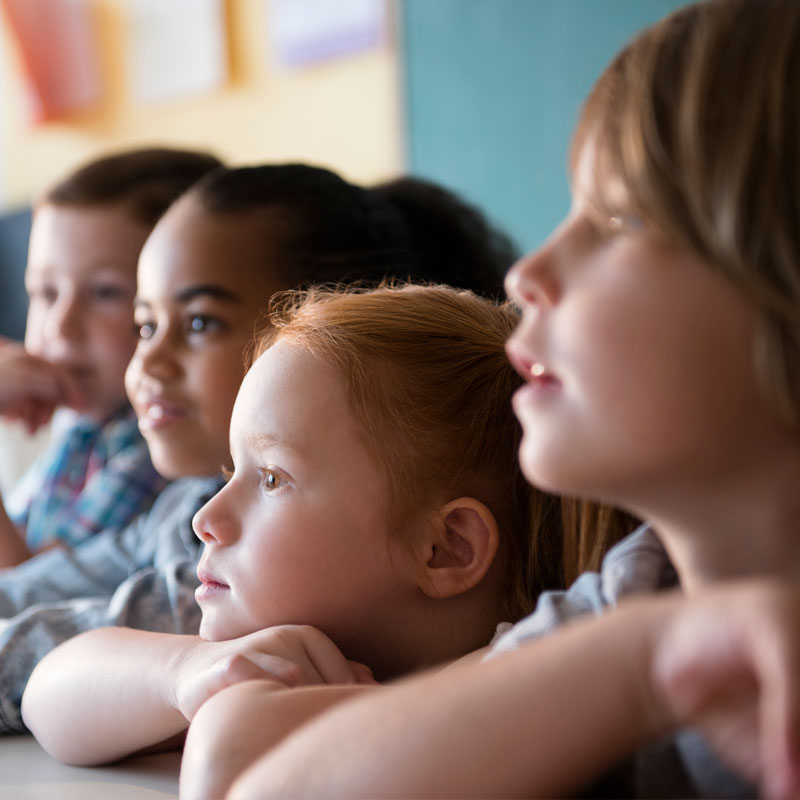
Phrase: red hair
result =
(428, 379)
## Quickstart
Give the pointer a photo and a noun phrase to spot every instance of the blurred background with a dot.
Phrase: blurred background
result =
(480, 95)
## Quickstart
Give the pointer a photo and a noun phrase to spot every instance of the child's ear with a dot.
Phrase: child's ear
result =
(461, 548)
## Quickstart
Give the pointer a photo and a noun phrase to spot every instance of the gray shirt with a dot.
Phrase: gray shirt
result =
(680, 767)
(141, 576)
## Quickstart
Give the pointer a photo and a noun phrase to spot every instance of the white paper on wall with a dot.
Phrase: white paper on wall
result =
(176, 48)
(307, 31)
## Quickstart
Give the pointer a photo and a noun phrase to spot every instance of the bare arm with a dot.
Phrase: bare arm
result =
(558, 713)
(240, 724)
(155, 682)
(541, 722)
(80, 692)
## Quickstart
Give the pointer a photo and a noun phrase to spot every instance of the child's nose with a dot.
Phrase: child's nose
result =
(213, 523)
(157, 358)
(533, 281)
(64, 319)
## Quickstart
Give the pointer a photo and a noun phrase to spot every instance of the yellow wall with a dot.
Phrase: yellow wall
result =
(343, 113)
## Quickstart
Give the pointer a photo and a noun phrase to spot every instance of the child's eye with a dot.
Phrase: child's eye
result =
(108, 292)
(203, 323)
(145, 330)
(271, 480)
(47, 294)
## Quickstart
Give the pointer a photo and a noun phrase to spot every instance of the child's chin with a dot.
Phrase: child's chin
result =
(171, 467)
(210, 632)
(166, 467)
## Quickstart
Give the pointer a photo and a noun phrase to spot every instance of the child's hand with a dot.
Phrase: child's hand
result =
(286, 655)
(728, 663)
(31, 388)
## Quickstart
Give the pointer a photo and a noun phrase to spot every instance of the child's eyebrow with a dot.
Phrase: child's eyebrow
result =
(211, 289)
(263, 441)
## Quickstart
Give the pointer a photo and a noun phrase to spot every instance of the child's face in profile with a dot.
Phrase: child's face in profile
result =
(638, 358)
(298, 535)
(202, 286)
(81, 279)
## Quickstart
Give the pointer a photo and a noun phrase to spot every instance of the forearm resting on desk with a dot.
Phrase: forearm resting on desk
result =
(105, 694)
(551, 717)
(539, 722)
(156, 682)
(242, 723)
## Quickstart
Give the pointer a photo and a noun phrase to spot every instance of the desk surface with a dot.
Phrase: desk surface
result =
(28, 773)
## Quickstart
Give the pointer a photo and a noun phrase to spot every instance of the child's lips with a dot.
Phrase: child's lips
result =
(210, 585)
(540, 377)
(540, 384)
(531, 370)
(156, 413)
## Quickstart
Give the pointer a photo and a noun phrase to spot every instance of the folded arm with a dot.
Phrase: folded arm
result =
(244, 722)
(156, 682)
(522, 725)
(559, 712)
(78, 694)
(241, 723)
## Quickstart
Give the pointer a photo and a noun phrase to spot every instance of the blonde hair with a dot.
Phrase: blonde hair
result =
(699, 118)
(427, 376)
(590, 529)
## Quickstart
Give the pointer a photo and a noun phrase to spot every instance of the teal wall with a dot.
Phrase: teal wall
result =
(493, 89)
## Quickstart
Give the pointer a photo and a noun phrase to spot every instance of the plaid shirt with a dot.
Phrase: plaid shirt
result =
(91, 477)
(142, 576)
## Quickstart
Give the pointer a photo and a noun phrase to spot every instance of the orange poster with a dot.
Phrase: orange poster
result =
(58, 49)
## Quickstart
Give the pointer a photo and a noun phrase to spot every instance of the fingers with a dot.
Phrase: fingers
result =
(694, 651)
(267, 666)
(327, 659)
(36, 413)
(21, 388)
(315, 657)
(240, 668)
(362, 673)
(66, 391)
(30, 388)
(43, 415)
(263, 666)
(728, 664)
(71, 395)
(227, 672)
